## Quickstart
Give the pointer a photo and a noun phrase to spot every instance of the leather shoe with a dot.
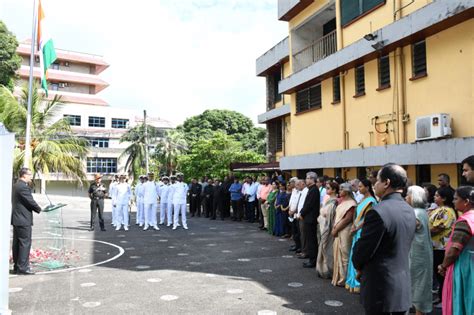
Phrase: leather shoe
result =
(13, 272)
(309, 265)
(303, 257)
(26, 272)
(103, 229)
(292, 249)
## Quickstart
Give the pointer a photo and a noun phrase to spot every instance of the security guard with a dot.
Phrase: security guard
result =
(97, 194)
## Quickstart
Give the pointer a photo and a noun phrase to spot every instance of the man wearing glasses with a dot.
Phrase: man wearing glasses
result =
(23, 206)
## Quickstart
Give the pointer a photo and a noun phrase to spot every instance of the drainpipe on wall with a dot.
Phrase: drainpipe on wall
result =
(340, 45)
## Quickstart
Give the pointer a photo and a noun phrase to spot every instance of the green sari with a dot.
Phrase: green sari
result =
(271, 210)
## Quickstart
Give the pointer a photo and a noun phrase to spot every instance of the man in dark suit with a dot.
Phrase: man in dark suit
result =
(309, 214)
(23, 206)
(195, 198)
(381, 253)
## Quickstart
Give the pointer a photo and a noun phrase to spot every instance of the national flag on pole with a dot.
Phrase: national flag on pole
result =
(45, 47)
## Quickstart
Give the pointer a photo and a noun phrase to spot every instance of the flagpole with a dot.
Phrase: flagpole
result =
(27, 156)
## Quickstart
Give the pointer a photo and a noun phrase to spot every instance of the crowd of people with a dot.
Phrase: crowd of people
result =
(393, 242)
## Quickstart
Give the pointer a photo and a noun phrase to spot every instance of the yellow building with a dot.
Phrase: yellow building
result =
(360, 83)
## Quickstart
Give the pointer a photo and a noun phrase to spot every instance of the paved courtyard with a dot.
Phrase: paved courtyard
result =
(215, 267)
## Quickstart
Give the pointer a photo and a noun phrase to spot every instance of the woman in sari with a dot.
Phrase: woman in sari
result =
(441, 221)
(280, 203)
(271, 207)
(342, 234)
(421, 254)
(367, 202)
(325, 260)
(458, 263)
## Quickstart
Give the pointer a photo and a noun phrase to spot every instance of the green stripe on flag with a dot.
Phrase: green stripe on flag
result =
(49, 56)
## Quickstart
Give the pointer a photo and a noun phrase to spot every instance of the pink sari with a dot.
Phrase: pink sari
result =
(448, 279)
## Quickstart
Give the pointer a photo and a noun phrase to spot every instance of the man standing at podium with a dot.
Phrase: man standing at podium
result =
(97, 194)
(22, 221)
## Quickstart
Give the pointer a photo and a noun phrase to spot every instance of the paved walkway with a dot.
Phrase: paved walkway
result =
(213, 268)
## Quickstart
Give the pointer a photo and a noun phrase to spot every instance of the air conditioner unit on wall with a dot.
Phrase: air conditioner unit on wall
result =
(433, 127)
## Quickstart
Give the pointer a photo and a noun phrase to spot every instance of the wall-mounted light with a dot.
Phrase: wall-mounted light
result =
(378, 45)
(370, 36)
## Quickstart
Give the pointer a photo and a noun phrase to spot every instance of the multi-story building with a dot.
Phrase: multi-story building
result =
(359, 83)
(75, 77)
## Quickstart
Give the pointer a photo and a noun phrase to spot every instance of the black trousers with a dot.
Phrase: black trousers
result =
(311, 241)
(97, 205)
(226, 205)
(259, 211)
(438, 257)
(237, 209)
(216, 206)
(194, 205)
(21, 248)
(295, 229)
(250, 211)
(208, 204)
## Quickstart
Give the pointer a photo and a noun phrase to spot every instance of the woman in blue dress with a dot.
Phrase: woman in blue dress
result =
(281, 202)
(365, 188)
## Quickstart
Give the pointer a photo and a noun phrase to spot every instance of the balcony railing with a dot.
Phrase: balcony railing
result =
(320, 49)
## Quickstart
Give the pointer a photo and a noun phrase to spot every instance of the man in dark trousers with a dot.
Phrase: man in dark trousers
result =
(208, 195)
(381, 253)
(217, 199)
(97, 194)
(195, 198)
(309, 214)
(23, 206)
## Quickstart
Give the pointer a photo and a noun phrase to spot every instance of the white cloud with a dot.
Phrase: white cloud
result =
(173, 58)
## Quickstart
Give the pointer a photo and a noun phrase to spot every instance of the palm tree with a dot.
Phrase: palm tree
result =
(54, 147)
(135, 152)
(169, 148)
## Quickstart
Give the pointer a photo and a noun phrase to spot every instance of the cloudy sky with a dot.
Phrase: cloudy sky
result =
(174, 58)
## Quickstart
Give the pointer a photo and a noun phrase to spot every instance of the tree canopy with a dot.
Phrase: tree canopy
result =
(229, 122)
(212, 156)
(10, 62)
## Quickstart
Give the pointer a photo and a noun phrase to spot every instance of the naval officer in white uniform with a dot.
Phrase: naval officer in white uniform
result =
(140, 219)
(121, 197)
(180, 192)
(164, 192)
(150, 201)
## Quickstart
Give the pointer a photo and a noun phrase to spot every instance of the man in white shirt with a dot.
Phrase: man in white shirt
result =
(250, 197)
(150, 200)
(293, 211)
(164, 192)
(302, 198)
(122, 194)
(355, 190)
(180, 192)
(140, 219)
(112, 186)
(170, 200)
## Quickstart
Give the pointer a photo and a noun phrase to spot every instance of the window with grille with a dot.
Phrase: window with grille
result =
(384, 71)
(102, 165)
(352, 9)
(359, 80)
(419, 59)
(99, 142)
(96, 121)
(336, 89)
(309, 98)
(74, 120)
(119, 123)
(279, 135)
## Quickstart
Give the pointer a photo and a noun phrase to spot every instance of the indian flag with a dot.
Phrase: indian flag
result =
(45, 47)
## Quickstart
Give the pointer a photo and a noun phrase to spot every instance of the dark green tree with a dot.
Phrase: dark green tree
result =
(10, 62)
(231, 123)
(212, 156)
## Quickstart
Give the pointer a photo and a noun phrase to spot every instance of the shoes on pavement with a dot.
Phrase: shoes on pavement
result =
(178, 224)
(156, 227)
(185, 227)
(27, 272)
(118, 228)
(168, 225)
(140, 225)
(125, 228)
(146, 227)
(303, 256)
(298, 251)
(161, 223)
(293, 249)
(103, 229)
(309, 265)
(174, 227)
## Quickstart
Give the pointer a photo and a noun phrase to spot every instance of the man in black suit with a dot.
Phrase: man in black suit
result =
(195, 198)
(381, 253)
(23, 206)
(309, 214)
